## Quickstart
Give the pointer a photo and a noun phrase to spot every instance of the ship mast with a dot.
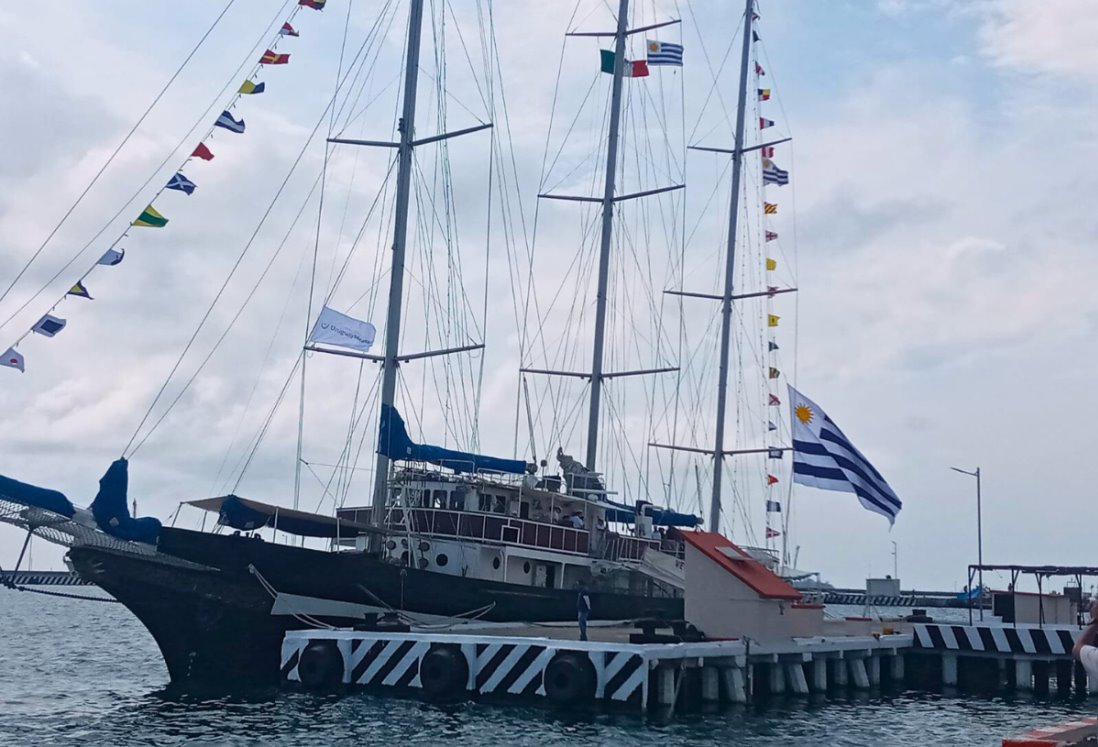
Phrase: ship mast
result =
(607, 235)
(406, 126)
(597, 375)
(729, 273)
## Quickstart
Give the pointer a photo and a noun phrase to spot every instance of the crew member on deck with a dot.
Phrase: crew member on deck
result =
(583, 608)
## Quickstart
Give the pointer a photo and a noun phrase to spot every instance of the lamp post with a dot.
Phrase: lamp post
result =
(979, 532)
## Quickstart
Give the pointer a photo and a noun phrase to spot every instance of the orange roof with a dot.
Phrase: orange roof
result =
(721, 551)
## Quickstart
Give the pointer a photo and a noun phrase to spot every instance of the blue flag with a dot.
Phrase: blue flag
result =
(823, 457)
(182, 183)
(226, 120)
(112, 257)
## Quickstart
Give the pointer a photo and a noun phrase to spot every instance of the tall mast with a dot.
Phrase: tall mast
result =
(607, 235)
(729, 273)
(406, 127)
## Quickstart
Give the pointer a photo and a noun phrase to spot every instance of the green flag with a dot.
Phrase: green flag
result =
(149, 218)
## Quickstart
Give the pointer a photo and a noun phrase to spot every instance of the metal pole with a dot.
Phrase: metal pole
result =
(979, 535)
(607, 234)
(980, 541)
(400, 233)
(729, 273)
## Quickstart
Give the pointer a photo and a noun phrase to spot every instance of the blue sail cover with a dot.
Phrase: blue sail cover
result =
(240, 513)
(32, 495)
(393, 442)
(110, 511)
(663, 517)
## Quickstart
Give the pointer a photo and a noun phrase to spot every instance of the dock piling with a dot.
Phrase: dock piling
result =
(949, 670)
(873, 668)
(897, 668)
(838, 671)
(734, 684)
(858, 673)
(794, 672)
(711, 685)
(1023, 675)
(819, 675)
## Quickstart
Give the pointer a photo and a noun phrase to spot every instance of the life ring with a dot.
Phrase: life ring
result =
(443, 672)
(569, 679)
(320, 667)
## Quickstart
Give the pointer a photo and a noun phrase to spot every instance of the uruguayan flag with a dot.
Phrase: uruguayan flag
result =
(823, 457)
(664, 53)
(226, 120)
(773, 175)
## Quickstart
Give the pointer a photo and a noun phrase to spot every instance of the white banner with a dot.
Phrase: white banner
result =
(333, 328)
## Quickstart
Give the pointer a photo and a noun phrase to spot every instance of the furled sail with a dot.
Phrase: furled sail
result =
(32, 495)
(394, 443)
(111, 513)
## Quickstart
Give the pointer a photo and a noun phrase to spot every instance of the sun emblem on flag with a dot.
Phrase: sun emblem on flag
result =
(653, 46)
(803, 413)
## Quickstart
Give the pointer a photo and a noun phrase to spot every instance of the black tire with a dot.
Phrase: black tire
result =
(320, 668)
(443, 672)
(570, 679)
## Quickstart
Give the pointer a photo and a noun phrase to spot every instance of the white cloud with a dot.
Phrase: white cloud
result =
(1055, 37)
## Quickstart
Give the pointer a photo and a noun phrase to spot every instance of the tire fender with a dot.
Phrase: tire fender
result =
(443, 672)
(320, 667)
(570, 678)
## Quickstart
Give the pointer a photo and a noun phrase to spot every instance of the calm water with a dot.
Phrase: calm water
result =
(87, 673)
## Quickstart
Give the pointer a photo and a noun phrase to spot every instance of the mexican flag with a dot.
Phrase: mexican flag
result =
(632, 68)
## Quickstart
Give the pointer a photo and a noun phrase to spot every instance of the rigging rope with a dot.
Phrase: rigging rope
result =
(225, 284)
(203, 118)
(116, 151)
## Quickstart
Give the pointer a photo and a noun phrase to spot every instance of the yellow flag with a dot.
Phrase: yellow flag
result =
(774, 373)
(772, 320)
(771, 264)
(770, 208)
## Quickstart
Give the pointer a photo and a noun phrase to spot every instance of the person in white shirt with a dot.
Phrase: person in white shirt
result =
(1086, 645)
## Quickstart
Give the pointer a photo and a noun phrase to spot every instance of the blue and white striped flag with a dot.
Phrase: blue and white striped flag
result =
(823, 457)
(664, 53)
(226, 120)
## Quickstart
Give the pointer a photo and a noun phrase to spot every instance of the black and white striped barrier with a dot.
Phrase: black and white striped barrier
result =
(997, 639)
(447, 665)
(41, 578)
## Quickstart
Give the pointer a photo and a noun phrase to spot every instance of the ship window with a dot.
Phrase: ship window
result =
(495, 563)
(441, 560)
(526, 567)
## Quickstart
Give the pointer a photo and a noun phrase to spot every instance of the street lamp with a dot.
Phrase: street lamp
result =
(979, 532)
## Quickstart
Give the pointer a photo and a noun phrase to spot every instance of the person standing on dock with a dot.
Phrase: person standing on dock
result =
(1086, 645)
(583, 608)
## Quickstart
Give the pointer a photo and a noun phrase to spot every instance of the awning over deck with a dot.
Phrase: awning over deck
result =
(248, 515)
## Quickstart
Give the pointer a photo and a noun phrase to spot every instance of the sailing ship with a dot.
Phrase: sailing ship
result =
(450, 534)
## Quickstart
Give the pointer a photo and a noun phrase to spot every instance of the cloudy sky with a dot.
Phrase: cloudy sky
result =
(943, 182)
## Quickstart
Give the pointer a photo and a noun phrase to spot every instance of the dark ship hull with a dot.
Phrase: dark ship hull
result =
(214, 624)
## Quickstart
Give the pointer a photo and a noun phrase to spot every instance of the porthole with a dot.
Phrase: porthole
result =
(526, 567)
(495, 563)
(441, 560)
